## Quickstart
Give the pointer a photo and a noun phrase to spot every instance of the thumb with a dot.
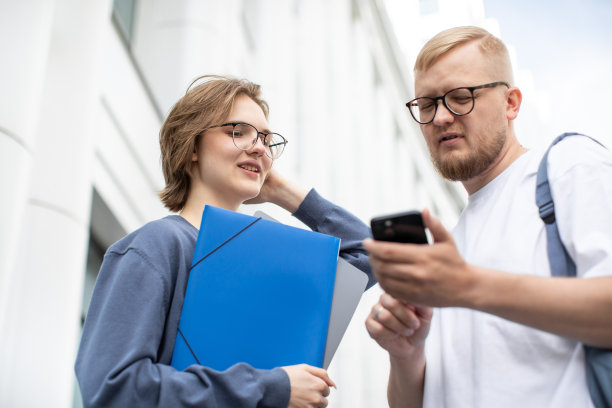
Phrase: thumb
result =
(424, 312)
(322, 374)
(439, 233)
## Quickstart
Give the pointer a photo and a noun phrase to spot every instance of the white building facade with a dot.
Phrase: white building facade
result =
(85, 88)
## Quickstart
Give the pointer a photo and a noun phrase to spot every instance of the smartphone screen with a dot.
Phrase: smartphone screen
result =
(404, 227)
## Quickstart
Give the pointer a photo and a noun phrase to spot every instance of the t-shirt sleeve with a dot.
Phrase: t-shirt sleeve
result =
(580, 173)
(323, 216)
(117, 360)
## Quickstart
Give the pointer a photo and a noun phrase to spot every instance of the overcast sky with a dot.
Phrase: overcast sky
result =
(567, 45)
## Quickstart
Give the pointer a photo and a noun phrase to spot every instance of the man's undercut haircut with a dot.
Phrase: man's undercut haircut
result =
(207, 102)
(451, 38)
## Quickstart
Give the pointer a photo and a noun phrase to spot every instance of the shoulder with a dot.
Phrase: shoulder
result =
(158, 241)
(577, 152)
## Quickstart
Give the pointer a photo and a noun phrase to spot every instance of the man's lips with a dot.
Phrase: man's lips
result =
(448, 136)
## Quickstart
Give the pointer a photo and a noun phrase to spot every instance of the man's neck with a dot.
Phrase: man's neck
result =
(507, 156)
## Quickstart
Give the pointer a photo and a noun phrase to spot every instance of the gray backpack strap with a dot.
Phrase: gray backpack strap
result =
(598, 360)
(561, 264)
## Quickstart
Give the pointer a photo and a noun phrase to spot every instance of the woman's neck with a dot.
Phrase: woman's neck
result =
(194, 206)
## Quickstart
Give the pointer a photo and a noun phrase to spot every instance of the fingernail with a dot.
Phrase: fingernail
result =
(409, 332)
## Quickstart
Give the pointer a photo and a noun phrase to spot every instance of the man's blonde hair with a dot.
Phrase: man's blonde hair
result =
(451, 38)
(207, 104)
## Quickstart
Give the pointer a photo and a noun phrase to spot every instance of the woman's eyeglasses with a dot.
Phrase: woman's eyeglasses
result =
(245, 136)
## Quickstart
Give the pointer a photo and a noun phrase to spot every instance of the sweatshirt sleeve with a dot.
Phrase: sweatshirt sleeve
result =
(323, 216)
(117, 363)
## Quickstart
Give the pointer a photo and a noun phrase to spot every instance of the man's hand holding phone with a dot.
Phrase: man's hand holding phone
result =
(429, 275)
(406, 227)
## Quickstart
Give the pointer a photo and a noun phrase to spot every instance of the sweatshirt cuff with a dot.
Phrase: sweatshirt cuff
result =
(313, 210)
(276, 388)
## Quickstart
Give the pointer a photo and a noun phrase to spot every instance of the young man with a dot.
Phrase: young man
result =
(506, 334)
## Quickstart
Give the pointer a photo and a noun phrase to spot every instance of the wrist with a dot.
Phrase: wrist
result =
(483, 290)
(409, 358)
(406, 380)
(288, 195)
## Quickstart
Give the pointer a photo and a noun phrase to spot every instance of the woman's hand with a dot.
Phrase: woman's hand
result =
(280, 191)
(309, 386)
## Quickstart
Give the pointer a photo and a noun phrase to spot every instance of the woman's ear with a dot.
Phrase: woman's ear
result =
(194, 153)
(514, 97)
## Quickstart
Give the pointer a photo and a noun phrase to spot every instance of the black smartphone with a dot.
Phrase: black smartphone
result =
(404, 227)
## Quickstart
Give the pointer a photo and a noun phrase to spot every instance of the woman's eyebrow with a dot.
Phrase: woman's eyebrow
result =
(264, 130)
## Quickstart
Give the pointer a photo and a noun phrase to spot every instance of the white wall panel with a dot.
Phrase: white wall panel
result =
(42, 307)
(330, 77)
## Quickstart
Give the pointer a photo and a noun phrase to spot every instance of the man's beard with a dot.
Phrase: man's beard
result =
(472, 164)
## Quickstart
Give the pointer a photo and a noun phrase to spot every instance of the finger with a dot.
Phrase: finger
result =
(405, 272)
(392, 251)
(405, 313)
(377, 331)
(424, 312)
(406, 304)
(403, 287)
(381, 334)
(322, 374)
(439, 233)
(384, 325)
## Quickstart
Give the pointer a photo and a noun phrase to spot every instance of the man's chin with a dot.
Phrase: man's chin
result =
(454, 166)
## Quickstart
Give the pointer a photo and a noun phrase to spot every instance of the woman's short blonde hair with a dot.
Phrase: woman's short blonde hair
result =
(451, 38)
(206, 104)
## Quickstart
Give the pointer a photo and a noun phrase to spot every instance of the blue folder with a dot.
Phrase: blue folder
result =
(259, 292)
(349, 285)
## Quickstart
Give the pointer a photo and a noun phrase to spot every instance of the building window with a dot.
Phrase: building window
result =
(104, 231)
(354, 10)
(123, 17)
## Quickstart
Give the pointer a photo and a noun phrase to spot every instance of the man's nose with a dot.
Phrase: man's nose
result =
(443, 115)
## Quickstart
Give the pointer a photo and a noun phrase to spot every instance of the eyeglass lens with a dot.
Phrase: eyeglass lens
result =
(245, 137)
(459, 101)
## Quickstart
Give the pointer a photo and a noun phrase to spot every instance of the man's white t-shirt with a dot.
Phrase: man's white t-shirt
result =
(476, 359)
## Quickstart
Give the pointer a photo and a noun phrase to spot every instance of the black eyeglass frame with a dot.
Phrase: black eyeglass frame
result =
(443, 99)
(264, 140)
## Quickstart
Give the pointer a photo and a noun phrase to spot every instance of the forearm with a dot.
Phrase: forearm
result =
(145, 383)
(316, 212)
(406, 381)
(118, 361)
(576, 308)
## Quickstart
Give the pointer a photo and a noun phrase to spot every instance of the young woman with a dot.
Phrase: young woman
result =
(216, 149)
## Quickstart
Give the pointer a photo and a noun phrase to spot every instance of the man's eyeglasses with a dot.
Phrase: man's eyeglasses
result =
(245, 136)
(459, 102)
